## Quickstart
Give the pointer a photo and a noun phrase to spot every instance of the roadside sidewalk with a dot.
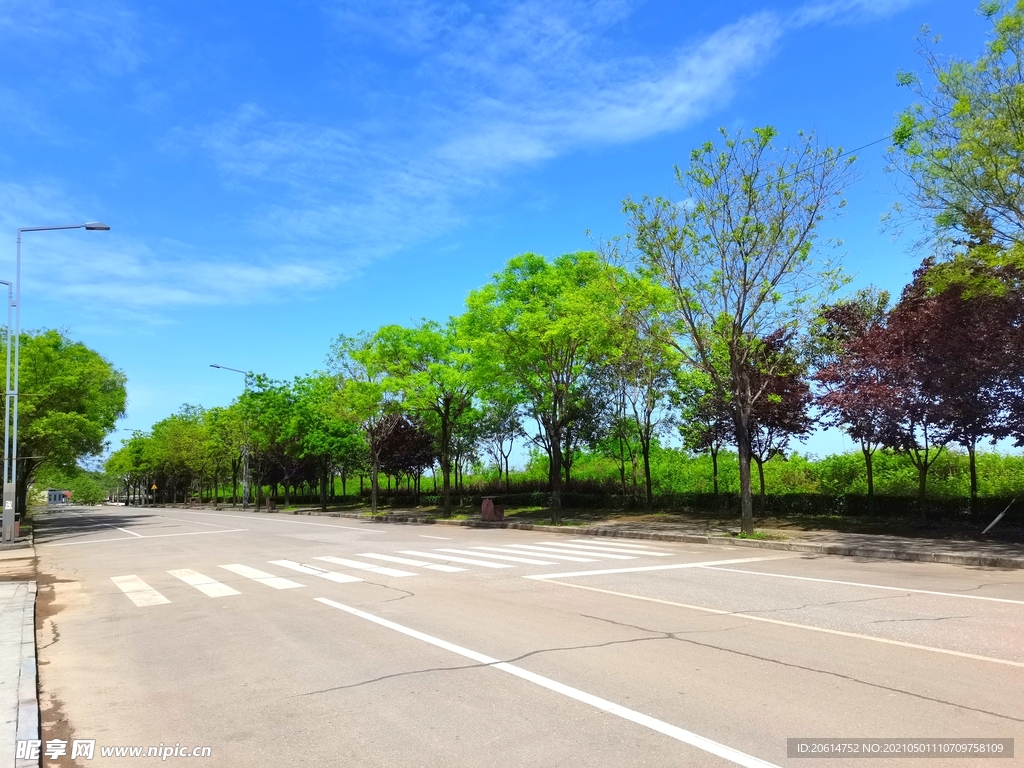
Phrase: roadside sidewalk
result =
(19, 704)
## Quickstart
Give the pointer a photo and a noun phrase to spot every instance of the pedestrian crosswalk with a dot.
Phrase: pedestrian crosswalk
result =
(442, 560)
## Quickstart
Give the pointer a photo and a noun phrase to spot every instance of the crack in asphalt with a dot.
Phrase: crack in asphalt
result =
(675, 636)
(816, 605)
(406, 593)
(472, 666)
(936, 618)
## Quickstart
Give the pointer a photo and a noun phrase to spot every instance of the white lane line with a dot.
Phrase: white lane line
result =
(138, 591)
(291, 522)
(590, 541)
(667, 729)
(527, 560)
(517, 549)
(599, 555)
(125, 530)
(366, 566)
(870, 586)
(191, 522)
(794, 625)
(312, 570)
(157, 536)
(206, 585)
(442, 538)
(408, 561)
(454, 559)
(640, 569)
(588, 548)
(262, 577)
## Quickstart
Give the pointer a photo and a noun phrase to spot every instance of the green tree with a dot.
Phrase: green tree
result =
(960, 149)
(431, 368)
(737, 258)
(71, 399)
(365, 397)
(544, 327)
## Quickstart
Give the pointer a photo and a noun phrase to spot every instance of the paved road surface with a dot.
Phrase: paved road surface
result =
(278, 641)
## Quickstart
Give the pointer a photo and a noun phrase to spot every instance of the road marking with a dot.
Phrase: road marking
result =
(108, 525)
(311, 570)
(519, 549)
(206, 585)
(599, 555)
(156, 536)
(588, 548)
(590, 542)
(408, 561)
(190, 522)
(526, 560)
(366, 566)
(870, 586)
(138, 591)
(262, 577)
(794, 625)
(454, 559)
(672, 731)
(442, 538)
(641, 568)
(292, 522)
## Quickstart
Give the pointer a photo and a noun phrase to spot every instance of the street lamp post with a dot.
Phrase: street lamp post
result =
(245, 446)
(11, 457)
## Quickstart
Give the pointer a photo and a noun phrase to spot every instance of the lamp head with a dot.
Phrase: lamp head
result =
(98, 226)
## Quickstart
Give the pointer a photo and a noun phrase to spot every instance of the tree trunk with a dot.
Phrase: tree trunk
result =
(323, 490)
(746, 496)
(868, 465)
(646, 447)
(446, 468)
(714, 472)
(922, 489)
(556, 478)
(285, 484)
(971, 455)
(374, 479)
(760, 476)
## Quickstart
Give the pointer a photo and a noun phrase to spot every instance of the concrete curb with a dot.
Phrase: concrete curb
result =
(28, 691)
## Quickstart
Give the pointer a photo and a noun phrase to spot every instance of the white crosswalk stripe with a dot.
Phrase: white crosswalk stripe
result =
(206, 585)
(569, 551)
(409, 561)
(138, 591)
(594, 541)
(526, 560)
(365, 566)
(312, 570)
(513, 550)
(454, 559)
(262, 577)
(588, 548)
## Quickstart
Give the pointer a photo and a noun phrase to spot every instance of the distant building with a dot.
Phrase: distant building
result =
(56, 496)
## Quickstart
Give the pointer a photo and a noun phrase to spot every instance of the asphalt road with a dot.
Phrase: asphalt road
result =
(294, 641)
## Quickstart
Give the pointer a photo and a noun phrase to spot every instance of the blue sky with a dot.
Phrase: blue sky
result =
(279, 173)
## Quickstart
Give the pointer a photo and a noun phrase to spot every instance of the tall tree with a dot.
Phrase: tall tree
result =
(856, 393)
(73, 398)
(960, 148)
(544, 326)
(706, 424)
(783, 412)
(737, 258)
(431, 368)
(365, 397)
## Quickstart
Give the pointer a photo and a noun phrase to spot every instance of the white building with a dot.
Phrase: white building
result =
(57, 496)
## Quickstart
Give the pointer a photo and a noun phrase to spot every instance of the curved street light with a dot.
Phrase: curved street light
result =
(11, 403)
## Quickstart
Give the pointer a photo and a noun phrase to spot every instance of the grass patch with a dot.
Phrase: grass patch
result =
(761, 535)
